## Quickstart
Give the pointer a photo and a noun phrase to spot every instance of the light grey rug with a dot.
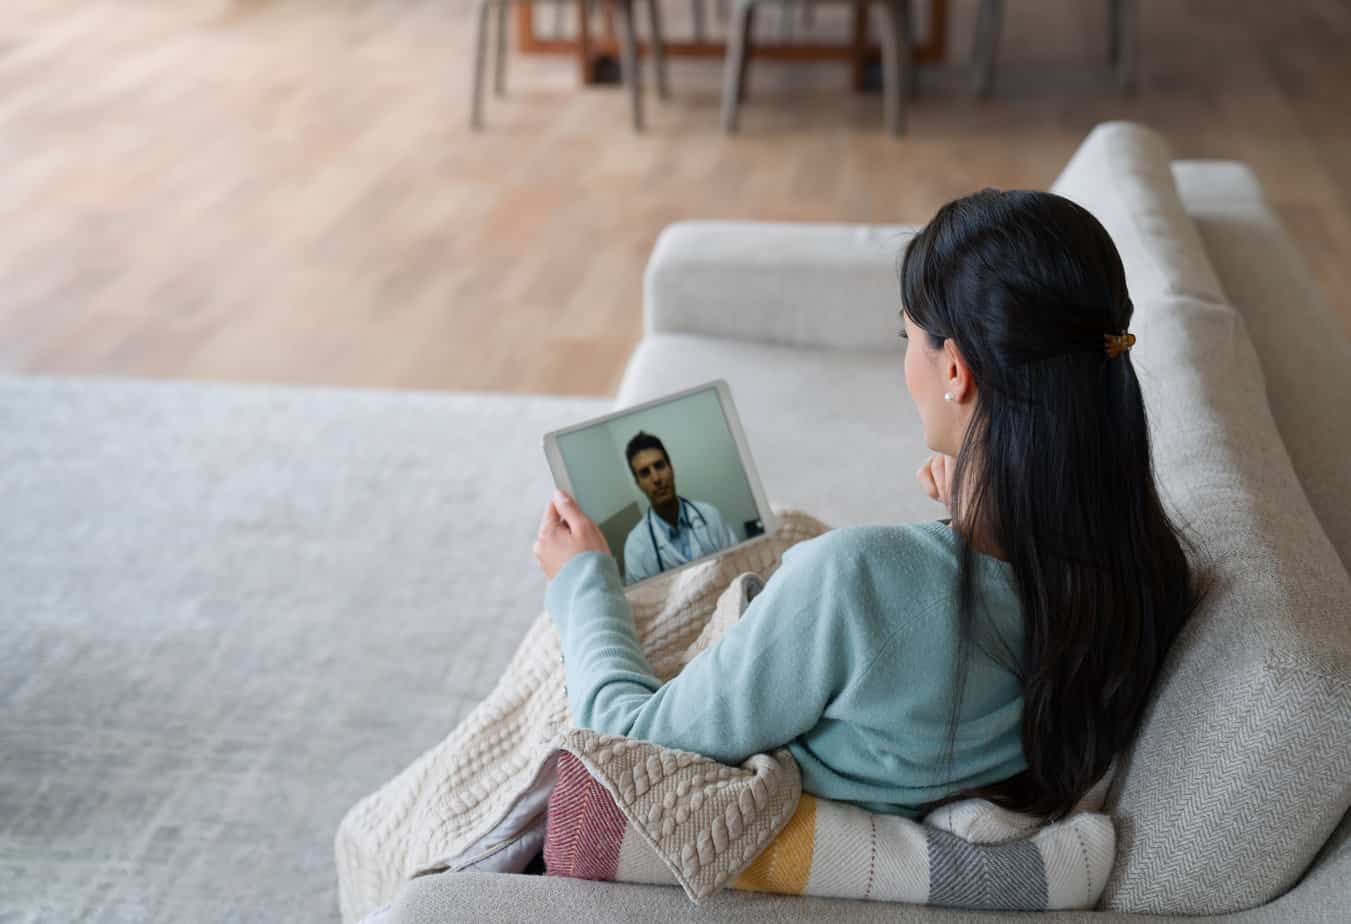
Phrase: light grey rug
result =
(229, 613)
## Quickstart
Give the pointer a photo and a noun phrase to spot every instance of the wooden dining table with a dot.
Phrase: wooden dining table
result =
(595, 52)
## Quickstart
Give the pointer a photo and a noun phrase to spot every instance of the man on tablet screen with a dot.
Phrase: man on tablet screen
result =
(675, 529)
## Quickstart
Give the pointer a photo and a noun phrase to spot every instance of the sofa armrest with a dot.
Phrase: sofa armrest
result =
(801, 284)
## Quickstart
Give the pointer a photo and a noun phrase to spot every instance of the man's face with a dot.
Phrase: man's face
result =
(655, 476)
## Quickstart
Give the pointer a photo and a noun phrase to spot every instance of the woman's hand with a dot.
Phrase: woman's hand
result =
(935, 477)
(564, 532)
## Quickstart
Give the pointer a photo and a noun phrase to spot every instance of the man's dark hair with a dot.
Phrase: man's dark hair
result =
(643, 440)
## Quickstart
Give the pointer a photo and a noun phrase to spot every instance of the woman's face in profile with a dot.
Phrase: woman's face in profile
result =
(922, 379)
(929, 372)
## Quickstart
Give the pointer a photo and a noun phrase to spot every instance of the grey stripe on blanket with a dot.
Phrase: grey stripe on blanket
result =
(1004, 877)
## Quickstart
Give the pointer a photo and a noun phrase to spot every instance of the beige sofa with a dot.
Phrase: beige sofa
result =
(1236, 792)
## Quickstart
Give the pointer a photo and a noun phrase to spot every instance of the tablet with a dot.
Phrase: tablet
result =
(670, 482)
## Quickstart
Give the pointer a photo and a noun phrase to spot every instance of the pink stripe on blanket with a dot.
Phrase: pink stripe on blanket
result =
(585, 828)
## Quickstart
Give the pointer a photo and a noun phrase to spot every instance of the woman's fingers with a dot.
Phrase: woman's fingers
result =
(585, 533)
(935, 476)
(946, 465)
(569, 512)
(945, 483)
(551, 519)
(926, 479)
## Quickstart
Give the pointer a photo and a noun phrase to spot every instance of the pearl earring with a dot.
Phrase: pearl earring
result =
(947, 396)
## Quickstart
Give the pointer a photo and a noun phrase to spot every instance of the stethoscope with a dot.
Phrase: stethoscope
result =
(652, 534)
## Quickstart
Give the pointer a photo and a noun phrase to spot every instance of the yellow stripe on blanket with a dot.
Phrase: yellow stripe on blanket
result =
(784, 865)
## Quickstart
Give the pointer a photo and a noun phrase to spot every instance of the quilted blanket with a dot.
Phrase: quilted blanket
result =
(631, 811)
(477, 799)
(516, 769)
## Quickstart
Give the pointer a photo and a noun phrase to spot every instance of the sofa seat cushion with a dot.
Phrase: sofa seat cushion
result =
(506, 898)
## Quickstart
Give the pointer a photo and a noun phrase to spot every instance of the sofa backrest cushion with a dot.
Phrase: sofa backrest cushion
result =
(1243, 762)
(831, 286)
(1122, 173)
(1305, 351)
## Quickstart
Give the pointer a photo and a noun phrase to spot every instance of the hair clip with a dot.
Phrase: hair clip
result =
(1116, 344)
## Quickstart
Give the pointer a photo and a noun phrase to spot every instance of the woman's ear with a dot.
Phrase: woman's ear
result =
(957, 378)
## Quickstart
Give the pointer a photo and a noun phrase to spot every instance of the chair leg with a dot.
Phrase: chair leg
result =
(895, 40)
(785, 19)
(697, 16)
(722, 9)
(658, 44)
(628, 54)
(481, 14)
(744, 77)
(734, 66)
(905, 41)
(1113, 31)
(1125, 43)
(985, 53)
(500, 72)
(558, 17)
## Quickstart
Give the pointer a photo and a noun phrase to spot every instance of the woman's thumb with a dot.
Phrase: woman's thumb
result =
(567, 508)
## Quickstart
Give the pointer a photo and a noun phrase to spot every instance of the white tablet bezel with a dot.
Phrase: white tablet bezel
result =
(564, 481)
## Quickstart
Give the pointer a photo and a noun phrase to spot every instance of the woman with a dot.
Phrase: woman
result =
(1007, 653)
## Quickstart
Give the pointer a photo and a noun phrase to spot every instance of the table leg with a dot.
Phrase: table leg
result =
(584, 41)
(859, 46)
(597, 56)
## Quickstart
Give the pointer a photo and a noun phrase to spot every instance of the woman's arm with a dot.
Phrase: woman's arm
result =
(768, 680)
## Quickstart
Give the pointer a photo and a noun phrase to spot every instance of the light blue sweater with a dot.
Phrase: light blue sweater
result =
(846, 657)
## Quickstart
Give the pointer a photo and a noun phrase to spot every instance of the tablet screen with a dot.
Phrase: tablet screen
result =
(665, 481)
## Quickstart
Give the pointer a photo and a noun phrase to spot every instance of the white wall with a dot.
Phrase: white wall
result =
(601, 482)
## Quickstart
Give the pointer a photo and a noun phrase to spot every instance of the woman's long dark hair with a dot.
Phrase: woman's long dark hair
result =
(1056, 465)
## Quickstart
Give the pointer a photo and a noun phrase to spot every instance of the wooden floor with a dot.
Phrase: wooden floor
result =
(286, 190)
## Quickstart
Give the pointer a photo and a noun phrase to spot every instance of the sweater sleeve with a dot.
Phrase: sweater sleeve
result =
(768, 680)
